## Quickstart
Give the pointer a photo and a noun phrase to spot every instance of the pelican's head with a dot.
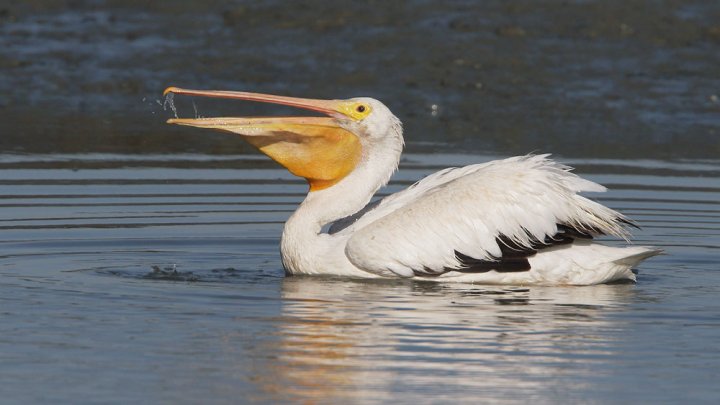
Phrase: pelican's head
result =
(323, 150)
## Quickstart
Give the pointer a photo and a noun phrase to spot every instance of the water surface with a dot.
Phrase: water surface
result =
(139, 261)
(158, 278)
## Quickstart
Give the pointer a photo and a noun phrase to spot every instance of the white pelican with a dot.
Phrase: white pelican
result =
(512, 221)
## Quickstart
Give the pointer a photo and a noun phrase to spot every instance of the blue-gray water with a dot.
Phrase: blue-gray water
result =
(158, 278)
(139, 261)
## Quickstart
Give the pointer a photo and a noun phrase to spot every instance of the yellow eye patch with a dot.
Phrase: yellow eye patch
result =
(355, 109)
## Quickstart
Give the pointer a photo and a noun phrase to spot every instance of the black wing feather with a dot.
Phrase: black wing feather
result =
(514, 257)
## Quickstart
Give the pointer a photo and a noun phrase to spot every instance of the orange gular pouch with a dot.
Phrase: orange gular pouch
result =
(322, 154)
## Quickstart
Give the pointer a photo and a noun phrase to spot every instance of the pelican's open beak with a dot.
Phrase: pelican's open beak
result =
(316, 148)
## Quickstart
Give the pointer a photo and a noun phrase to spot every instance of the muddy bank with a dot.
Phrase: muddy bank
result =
(577, 78)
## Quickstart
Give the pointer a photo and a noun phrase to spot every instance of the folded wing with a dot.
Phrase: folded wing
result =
(479, 218)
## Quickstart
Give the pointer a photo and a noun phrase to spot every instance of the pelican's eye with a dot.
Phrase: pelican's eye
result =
(357, 110)
(361, 110)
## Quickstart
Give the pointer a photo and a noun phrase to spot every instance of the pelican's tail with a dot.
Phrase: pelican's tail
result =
(588, 263)
(620, 264)
(635, 255)
(620, 268)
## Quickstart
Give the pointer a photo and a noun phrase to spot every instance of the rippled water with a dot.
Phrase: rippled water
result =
(158, 278)
(145, 274)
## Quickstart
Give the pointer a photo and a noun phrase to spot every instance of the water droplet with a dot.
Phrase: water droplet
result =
(170, 102)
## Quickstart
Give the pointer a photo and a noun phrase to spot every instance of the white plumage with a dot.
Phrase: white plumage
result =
(466, 209)
(514, 221)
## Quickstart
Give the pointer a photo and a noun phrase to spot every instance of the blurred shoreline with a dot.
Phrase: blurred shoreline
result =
(578, 78)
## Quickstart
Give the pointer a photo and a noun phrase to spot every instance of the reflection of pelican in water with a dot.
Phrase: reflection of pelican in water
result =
(355, 341)
(512, 221)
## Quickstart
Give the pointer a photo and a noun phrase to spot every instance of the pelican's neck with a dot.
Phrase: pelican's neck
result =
(302, 240)
(346, 197)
